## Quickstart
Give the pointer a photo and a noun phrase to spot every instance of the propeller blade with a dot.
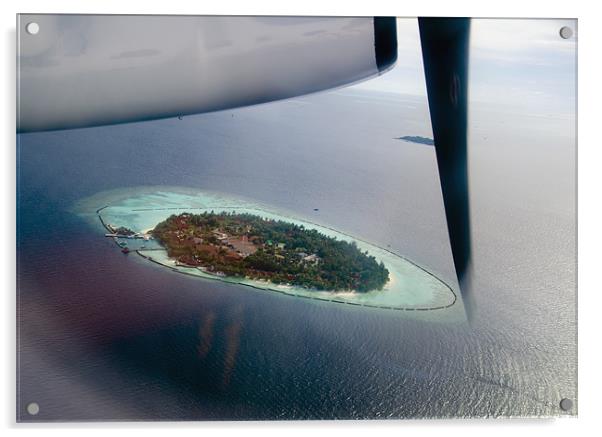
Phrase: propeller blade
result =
(445, 56)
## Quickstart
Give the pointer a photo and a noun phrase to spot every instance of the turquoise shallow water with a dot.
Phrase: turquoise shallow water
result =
(410, 287)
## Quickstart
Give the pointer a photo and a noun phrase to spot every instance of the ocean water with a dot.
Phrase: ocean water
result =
(103, 336)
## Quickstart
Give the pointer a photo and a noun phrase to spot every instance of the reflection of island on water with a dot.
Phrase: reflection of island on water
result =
(418, 140)
(137, 211)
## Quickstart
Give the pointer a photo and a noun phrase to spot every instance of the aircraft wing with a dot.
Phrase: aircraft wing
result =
(89, 70)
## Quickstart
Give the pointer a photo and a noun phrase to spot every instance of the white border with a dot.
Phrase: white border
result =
(590, 219)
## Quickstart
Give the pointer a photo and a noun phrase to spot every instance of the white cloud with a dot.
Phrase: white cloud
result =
(523, 63)
(535, 41)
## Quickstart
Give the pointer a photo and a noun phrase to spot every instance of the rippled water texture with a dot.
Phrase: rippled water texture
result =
(108, 336)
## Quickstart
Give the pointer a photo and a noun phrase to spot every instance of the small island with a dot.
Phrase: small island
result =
(247, 245)
(122, 231)
(418, 139)
(326, 265)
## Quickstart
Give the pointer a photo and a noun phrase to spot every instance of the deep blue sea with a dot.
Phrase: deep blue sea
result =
(103, 336)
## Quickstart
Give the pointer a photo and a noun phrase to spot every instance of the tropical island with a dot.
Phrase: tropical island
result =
(418, 140)
(249, 246)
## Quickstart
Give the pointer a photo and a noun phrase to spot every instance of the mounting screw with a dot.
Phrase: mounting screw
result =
(566, 404)
(33, 408)
(566, 32)
(32, 28)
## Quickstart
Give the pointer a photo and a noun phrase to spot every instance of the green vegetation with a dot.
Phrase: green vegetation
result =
(246, 245)
(124, 231)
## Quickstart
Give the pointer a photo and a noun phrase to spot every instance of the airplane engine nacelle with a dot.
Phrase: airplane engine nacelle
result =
(80, 71)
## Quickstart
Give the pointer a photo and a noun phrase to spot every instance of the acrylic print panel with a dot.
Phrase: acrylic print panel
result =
(295, 218)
